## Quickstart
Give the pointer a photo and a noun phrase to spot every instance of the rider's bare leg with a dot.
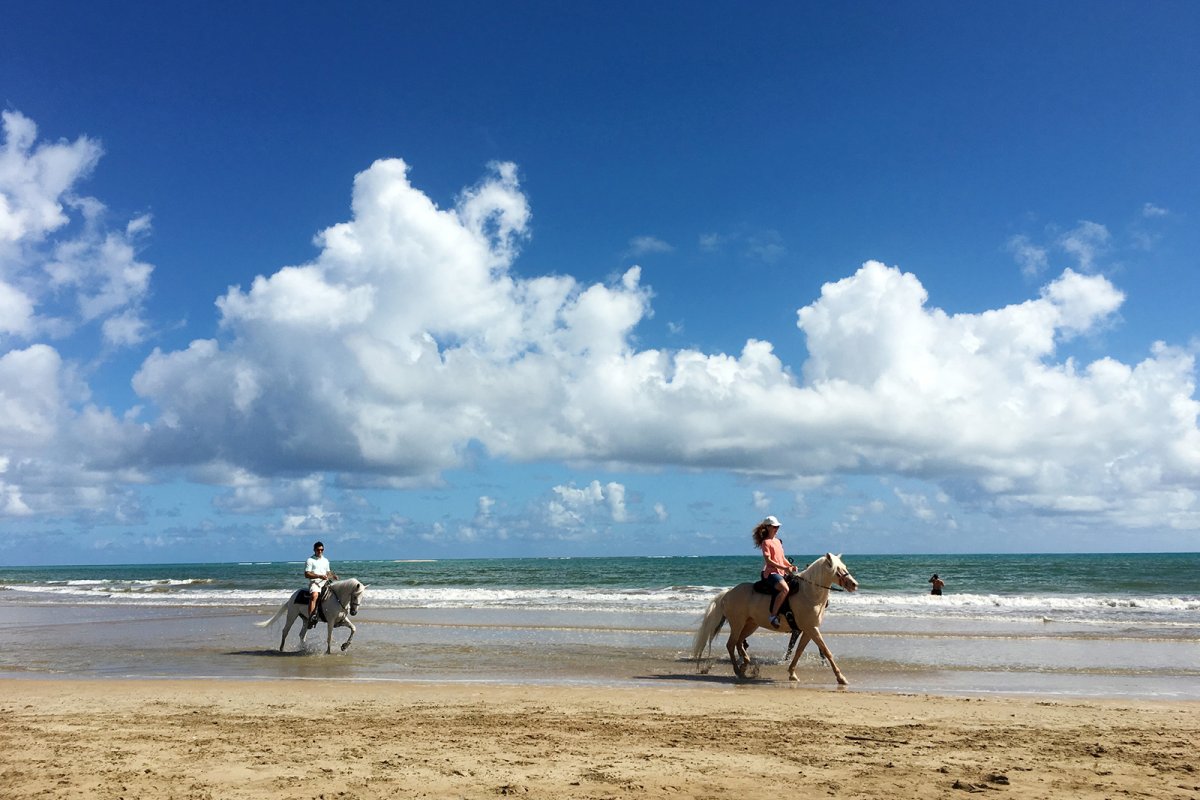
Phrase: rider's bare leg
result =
(780, 595)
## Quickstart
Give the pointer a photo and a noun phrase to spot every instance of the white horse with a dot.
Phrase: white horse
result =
(748, 610)
(343, 596)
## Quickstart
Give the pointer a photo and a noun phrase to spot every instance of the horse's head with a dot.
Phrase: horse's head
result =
(356, 597)
(840, 574)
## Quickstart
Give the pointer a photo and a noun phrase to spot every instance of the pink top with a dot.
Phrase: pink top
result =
(773, 551)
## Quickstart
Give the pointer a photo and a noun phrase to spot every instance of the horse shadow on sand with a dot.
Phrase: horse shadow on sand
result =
(696, 677)
(700, 672)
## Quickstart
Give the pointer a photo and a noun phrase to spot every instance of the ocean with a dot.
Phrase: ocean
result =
(1120, 625)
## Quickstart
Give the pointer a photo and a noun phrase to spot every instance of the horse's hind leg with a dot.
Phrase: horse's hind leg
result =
(287, 626)
(735, 645)
(735, 638)
(743, 645)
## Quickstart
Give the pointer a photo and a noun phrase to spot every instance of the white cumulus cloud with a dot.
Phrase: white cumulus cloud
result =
(575, 507)
(408, 343)
(644, 245)
(427, 343)
(61, 268)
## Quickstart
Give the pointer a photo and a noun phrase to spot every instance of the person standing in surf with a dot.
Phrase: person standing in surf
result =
(938, 583)
(776, 566)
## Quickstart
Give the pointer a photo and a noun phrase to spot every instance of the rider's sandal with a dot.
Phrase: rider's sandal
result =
(774, 620)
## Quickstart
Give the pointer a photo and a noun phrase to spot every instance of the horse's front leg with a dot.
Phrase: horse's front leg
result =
(353, 630)
(803, 643)
(816, 637)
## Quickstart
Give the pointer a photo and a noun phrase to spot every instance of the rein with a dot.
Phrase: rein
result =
(833, 587)
(333, 593)
(336, 599)
(352, 608)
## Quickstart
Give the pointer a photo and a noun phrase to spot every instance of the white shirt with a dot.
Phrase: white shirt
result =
(319, 565)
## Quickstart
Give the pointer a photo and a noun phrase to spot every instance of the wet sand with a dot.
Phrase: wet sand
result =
(356, 740)
(546, 647)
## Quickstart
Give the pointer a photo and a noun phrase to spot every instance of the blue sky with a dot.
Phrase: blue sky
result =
(501, 280)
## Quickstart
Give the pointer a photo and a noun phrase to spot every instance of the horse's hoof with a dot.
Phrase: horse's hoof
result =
(792, 677)
(843, 682)
(347, 644)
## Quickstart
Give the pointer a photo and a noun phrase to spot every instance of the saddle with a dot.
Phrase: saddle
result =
(765, 586)
(305, 594)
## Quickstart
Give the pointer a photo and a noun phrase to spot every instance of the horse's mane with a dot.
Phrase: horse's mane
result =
(815, 566)
(353, 584)
(819, 564)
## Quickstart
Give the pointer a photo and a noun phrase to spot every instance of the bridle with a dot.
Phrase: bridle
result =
(841, 574)
(355, 599)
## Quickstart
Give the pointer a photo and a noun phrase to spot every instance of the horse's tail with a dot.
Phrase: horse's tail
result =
(714, 618)
(278, 613)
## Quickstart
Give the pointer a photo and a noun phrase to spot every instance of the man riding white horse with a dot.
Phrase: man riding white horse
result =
(340, 602)
(319, 573)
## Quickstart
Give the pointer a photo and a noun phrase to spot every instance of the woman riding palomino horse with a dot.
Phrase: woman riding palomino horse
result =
(747, 610)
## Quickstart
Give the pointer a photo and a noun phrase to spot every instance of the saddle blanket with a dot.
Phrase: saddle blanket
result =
(765, 586)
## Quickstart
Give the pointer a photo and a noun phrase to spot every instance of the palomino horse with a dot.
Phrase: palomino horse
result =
(342, 597)
(748, 610)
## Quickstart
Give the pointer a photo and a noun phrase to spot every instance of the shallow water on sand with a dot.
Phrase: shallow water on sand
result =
(549, 646)
(1120, 625)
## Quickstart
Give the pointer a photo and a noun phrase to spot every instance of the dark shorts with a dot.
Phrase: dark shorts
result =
(776, 579)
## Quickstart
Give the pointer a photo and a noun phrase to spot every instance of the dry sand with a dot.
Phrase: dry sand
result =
(273, 739)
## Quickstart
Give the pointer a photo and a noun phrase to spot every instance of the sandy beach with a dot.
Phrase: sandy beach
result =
(309, 739)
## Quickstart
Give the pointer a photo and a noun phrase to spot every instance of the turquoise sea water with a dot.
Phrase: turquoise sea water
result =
(1160, 588)
(1109, 624)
